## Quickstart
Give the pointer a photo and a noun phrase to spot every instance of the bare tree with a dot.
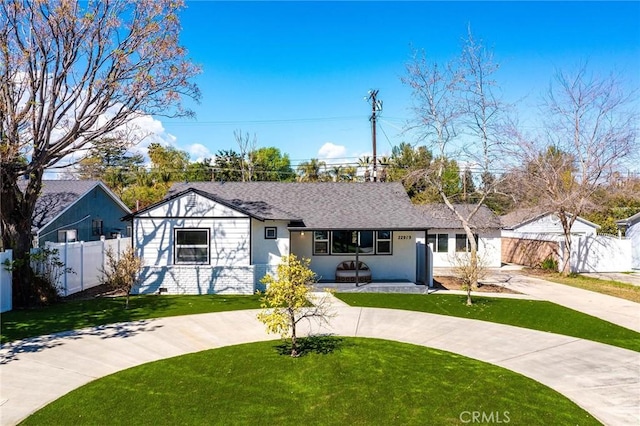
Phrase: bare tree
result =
(588, 128)
(70, 74)
(247, 147)
(458, 115)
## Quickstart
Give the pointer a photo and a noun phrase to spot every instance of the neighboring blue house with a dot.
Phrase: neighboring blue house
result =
(77, 210)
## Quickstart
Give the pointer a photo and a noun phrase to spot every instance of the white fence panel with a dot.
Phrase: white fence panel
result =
(601, 253)
(589, 253)
(6, 282)
(86, 260)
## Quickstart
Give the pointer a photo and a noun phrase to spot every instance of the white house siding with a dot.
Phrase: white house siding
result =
(550, 224)
(229, 240)
(229, 270)
(268, 251)
(489, 248)
(401, 265)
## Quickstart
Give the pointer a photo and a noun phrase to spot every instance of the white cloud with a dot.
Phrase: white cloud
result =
(330, 150)
(198, 152)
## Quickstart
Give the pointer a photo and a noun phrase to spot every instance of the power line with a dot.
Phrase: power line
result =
(268, 121)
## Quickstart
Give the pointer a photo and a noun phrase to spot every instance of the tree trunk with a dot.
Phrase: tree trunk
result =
(294, 338)
(566, 255)
(567, 223)
(16, 210)
(473, 272)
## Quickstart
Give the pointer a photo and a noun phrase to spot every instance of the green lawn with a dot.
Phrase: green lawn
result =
(537, 315)
(357, 381)
(22, 323)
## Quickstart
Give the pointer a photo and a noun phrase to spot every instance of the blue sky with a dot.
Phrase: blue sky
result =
(295, 74)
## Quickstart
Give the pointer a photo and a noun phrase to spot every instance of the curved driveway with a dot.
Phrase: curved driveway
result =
(603, 379)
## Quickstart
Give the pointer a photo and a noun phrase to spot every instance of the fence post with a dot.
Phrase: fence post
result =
(66, 290)
(103, 254)
(81, 265)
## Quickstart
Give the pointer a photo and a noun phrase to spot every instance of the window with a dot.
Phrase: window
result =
(270, 233)
(192, 246)
(344, 242)
(462, 244)
(321, 242)
(440, 242)
(96, 227)
(67, 236)
(383, 242)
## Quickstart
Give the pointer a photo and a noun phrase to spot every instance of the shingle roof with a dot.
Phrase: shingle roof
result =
(521, 216)
(319, 205)
(55, 197)
(629, 221)
(440, 216)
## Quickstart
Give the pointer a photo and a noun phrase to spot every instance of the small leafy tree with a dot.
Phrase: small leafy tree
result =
(121, 272)
(286, 302)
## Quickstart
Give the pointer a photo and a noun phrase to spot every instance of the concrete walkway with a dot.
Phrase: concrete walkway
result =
(603, 379)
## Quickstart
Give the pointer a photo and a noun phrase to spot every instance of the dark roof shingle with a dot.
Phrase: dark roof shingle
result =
(319, 205)
(55, 197)
(438, 215)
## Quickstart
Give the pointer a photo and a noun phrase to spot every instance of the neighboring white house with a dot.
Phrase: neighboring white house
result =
(631, 226)
(213, 237)
(447, 238)
(532, 239)
(542, 224)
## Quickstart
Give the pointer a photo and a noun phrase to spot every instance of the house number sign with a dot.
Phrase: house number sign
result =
(404, 237)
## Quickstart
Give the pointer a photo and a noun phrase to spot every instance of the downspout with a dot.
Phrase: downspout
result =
(428, 277)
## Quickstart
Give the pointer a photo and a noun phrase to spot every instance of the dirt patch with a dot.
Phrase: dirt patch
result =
(454, 283)
(94, 292)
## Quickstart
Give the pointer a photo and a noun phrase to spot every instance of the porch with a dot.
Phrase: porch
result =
(376, 286)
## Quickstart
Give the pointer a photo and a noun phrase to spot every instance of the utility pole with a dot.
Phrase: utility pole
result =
(376, 106)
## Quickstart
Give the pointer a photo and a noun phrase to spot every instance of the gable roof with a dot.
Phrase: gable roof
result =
(438, 215)
(629, 221)
(314, 205)
(58, 196)
(522, 217)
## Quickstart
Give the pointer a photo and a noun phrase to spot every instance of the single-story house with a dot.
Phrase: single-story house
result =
(631, 226)
(77, 210)
(223, 237)
(447, 238)
(531, 221)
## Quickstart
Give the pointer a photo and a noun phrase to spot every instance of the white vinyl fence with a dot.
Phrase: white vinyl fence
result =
(600, 253)
(86, 261)
(5, 281)
(589, 253)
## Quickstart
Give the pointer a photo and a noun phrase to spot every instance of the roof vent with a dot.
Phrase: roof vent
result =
(191, 201)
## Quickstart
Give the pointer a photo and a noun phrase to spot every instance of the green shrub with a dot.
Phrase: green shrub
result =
(549, 264)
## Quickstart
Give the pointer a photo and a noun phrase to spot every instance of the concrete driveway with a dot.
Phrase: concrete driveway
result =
(628, 278)
(613, 309)
(602, 379)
